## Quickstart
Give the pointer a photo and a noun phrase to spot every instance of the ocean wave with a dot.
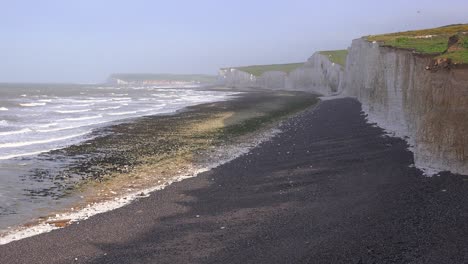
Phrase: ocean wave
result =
(109, 108)
(81, 118)
(56, 129)
(47, 125)
(80, 105)
(91, 101)
(45, 100)
(14, 132)
(165, 95)
(3, 122)
(70, 127)
(35, 142)
(3, 109)
(32, 104)
(122, 113)
(122, 99)
(72, 111)
(11, 156)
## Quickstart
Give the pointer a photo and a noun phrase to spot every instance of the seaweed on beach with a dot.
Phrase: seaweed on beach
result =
(153, 140)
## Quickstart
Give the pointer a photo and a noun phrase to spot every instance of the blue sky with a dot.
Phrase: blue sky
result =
(86, 40)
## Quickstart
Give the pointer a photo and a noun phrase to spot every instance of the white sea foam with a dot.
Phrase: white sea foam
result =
(92, 101)
(3, 122)
(15, 132)
(72, 111)
(43, 141)
(110, 108)
(122, 113)
(3, 109)
(81, 105)
(70, 127)
(32, 104)
(45, 100)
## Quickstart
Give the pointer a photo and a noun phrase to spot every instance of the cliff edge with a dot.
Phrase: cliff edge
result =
(403, 91)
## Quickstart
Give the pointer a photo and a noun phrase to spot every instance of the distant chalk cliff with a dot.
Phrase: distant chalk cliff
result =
(319, 75)
(159, 79)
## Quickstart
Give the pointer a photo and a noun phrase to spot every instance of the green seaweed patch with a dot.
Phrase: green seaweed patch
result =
(288, 107)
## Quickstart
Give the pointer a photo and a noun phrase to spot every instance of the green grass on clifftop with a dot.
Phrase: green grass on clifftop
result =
(433, 41)
(258, 70)
(336, 56)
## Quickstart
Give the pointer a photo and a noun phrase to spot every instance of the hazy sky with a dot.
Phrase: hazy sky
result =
(86, 40)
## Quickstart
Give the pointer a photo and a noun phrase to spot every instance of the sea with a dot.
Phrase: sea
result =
(38, 118)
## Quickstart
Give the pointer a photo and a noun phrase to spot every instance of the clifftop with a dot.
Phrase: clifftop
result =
(336, 56)
(258, 70)
(448, 44)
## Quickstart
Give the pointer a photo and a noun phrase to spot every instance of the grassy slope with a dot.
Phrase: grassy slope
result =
(336, 56)
(170, 77)
(258, 70)
(435, 42)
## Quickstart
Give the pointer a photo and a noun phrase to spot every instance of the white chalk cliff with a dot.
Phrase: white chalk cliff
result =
(317, 75)
(428, 108)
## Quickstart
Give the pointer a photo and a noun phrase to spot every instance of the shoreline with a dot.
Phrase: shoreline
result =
(69, 217)
(126, 183)
(330, 188)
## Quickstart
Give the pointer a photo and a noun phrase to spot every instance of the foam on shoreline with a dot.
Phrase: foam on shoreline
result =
(222, 154)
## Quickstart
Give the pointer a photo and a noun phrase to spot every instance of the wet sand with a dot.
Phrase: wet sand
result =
(329, 189)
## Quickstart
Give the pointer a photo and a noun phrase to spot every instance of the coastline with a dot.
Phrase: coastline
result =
(190, 141)
(330, 188)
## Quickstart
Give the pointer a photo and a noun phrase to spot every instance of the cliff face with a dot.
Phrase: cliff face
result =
(234, 78)
(429, 108)
(318, 75)
(275, 80)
